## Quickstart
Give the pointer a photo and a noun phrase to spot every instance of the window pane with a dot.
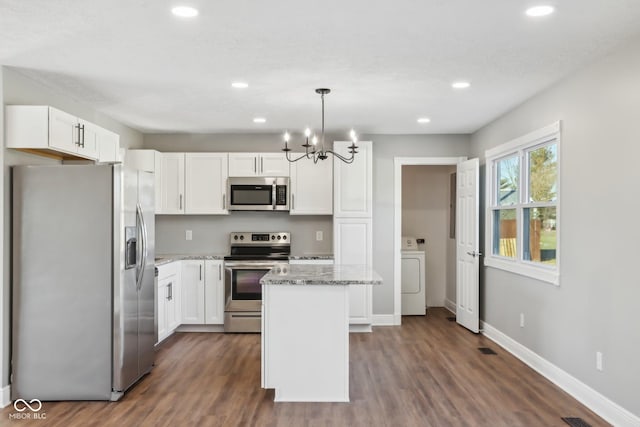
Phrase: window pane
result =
(543, 173)
(504, 232)
(540, 235)
(508, 176)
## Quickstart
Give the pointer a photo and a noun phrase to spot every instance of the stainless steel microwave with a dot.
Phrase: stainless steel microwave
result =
(258, 194)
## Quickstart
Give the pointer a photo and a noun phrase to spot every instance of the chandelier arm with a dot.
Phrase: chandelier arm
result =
(296, 159)
(343, 158)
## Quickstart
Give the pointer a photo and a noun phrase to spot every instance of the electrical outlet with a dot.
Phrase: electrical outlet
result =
(319, 236)
(188, 235)
(522, 320)
(599, 360)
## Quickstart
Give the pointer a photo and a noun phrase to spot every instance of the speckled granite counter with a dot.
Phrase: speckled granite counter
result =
(322, 275)
(316, 257)
(164, 259)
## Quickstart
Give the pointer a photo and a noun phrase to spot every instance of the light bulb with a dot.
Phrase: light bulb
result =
(314, 140)
(307, 132)
(352, 134)
(287, 137)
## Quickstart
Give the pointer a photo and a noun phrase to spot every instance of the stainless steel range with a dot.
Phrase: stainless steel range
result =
(251, 256)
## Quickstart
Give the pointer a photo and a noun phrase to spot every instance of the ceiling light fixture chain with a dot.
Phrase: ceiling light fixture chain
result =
(316, 154)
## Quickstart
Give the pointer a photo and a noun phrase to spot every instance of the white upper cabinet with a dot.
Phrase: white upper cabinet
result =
(171, 183)
(258, 164)
(108, 147)
(311, 187)
(55, 133)
(205, 183)
(353, 182)
(148, 161)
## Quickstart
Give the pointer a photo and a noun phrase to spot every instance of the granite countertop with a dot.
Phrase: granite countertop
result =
(165, 259)
(322, 275)
(311, 256)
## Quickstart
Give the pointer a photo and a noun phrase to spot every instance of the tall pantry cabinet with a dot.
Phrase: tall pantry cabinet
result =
(352, 224)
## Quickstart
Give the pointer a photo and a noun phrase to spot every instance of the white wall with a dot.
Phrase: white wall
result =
(425, 214)
(594, 308)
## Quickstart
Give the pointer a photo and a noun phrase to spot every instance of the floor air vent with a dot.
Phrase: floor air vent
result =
(486, 350)
(576, 422)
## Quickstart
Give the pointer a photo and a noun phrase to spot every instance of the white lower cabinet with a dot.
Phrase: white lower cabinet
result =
(202, 292)
(352, 245)
(168, 300)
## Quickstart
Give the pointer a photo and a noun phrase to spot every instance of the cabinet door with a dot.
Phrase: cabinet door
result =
(353, 245)
(161, 314)
(64, 134)
(88, 139)
(173, 304)
(214, 293)
(192, 292)
(273, 164)
(311, 187)
(353, 182)
(243, 164)
(109, 147)
(205, 183)
(172, 183)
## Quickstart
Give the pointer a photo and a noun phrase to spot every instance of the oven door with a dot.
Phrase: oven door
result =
(243, 291)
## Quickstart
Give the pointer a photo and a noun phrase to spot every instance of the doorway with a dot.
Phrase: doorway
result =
(423, 211)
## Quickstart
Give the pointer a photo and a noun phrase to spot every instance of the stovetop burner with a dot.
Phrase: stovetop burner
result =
(256, 246)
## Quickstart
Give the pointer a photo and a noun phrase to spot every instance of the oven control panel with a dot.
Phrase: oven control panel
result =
(260, 238)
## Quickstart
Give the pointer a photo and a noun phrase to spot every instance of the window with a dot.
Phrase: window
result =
(522, 205)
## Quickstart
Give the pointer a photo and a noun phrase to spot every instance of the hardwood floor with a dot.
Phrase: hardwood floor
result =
(428, 372)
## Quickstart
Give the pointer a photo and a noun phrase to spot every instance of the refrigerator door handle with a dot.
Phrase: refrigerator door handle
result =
(145, 250)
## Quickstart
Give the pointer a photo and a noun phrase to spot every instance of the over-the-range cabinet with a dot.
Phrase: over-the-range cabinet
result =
(352, 225)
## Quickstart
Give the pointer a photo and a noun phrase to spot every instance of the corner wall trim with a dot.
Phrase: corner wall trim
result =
(5, 396)
(384, 320)
(598, 403)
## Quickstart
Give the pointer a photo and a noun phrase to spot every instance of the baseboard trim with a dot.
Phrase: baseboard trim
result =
(450, 305)
(360, 328)
(200, 328)
(384, 320)
(601, 405)
(5, 396)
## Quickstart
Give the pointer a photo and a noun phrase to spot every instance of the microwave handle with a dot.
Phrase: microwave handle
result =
(273, 195)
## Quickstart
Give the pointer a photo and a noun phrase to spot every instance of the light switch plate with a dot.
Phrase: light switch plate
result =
(319, 236)
(188, 235)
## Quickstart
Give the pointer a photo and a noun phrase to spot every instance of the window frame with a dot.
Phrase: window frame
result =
(521, 147)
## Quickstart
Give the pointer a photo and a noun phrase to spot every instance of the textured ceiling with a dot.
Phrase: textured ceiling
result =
(387, 62)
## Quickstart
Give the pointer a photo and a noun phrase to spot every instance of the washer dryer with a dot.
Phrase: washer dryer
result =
(413, 283)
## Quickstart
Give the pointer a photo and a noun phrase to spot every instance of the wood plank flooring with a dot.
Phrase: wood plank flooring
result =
(428, 372)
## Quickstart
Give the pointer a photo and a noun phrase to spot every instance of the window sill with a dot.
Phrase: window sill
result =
(542, 274)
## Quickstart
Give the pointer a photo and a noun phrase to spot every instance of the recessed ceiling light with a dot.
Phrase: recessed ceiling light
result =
(542, 10)
(240, 85)
(259, 120)
(424, 120)
(185, 11)
(460, 85)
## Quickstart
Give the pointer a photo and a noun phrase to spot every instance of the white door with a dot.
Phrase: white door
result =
(172, 183)
(274, 164)
(467, 245)
(213, 293)
(64, 134)
(243, 164)
(192, 292)
(205, 183)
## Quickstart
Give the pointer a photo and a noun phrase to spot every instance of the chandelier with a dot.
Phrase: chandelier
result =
(315, 152)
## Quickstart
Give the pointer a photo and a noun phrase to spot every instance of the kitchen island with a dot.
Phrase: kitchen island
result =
(305, 330)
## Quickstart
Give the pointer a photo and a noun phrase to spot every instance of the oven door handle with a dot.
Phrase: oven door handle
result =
(252, 266)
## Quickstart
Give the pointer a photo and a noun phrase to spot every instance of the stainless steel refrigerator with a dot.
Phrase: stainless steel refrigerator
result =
(83, 281)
